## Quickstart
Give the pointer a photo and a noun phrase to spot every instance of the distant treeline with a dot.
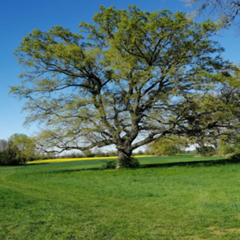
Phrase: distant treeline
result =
(20, 148)
(93, 153)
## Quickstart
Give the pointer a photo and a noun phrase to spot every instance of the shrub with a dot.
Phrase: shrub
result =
(110, 165)
(10, 156)
(133, 163)
(228, 149)
(233, 156)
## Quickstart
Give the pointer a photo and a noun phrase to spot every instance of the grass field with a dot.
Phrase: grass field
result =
(182, 197)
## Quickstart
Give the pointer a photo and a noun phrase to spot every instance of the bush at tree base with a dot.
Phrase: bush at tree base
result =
(110, 165)
(129, 163)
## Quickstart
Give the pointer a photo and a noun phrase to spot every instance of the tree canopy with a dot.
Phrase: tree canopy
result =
(128, 79)
(170, 146)
(227, 11)
(26, 146)
(18, 149)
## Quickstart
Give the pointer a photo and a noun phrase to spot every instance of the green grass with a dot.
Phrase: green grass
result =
(182, 197)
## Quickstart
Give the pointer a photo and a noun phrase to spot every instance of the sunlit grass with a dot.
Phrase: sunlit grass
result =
(182, 197)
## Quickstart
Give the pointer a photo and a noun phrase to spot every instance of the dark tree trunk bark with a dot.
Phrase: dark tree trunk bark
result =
(125, 160)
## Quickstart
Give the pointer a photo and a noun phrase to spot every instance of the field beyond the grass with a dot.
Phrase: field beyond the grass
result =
(79, 159)
(180, 197)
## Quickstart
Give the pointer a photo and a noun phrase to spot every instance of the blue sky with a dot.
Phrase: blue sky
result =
(17, 18)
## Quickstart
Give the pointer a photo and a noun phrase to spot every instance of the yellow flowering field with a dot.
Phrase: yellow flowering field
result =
(79, 159)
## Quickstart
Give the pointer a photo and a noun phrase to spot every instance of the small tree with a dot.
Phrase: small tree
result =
(133, 77)
(9, 153)
(25, 145)
(169, 145)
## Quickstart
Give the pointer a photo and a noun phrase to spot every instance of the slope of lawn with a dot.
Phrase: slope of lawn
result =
(181, 197)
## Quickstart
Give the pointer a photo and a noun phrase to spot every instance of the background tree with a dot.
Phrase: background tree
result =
(26, 146)
(9, 153)
(3, 145)
(4, 159)
(170, 146)
(228, 148)
(227, 11)
(131, 78)
(88, 153)
(18, 149)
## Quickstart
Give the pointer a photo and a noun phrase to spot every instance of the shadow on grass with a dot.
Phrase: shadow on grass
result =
(201, 163)
(21, 165)
(35, 164)
(76, 170)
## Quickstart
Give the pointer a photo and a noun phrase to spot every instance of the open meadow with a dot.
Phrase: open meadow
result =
(181, 197)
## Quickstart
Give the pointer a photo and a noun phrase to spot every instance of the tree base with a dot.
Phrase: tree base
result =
(127, 163)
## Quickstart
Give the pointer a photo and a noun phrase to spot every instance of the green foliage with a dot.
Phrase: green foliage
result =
(110, 165)
(99, 153)
(18, 149)
(169, 146)
(10, 157)
(140, 152)
(25, 145)
(206, 151)
(111, 153)
(8, 153)
(230, 148)
(88, 153)
(128, 163)
(130, 73)
(226, 148)
(148, 152)
(233, 156)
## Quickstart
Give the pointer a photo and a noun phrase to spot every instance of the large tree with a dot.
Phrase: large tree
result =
(128, 79)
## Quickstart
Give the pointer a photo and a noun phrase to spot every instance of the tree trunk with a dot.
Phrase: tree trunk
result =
(125, 160)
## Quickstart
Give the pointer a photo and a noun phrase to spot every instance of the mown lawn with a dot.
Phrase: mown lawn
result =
(182, 197)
